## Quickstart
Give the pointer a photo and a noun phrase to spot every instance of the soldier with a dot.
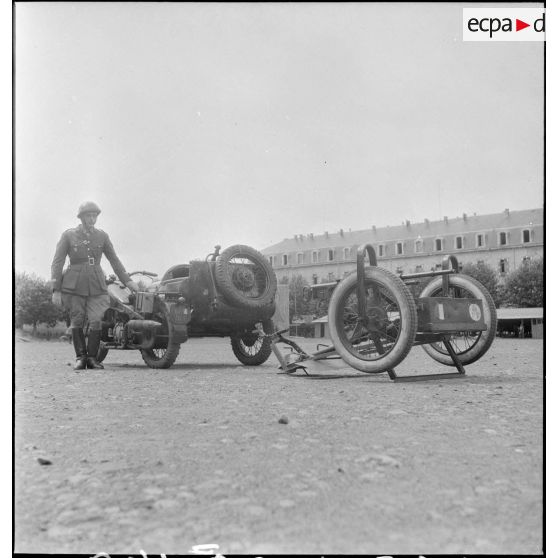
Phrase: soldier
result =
(82, 288)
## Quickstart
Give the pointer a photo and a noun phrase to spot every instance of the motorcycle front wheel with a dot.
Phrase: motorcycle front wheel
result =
(166, 350)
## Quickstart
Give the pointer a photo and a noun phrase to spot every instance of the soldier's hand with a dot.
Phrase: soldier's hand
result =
(133, 286)
(57, 298)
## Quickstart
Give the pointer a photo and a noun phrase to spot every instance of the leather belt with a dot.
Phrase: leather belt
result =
(89, 261)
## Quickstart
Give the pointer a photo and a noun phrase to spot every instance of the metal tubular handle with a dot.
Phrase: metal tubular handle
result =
(448, 259)
(361, 291)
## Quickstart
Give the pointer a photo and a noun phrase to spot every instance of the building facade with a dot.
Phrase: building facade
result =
(501, 240)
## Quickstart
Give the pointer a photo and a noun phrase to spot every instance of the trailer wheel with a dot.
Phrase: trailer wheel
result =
(387, 333)
(469, 346)
(245, 277)
(250, 348)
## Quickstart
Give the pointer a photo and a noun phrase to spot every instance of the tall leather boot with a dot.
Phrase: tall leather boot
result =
(78, 339)
(93, 342)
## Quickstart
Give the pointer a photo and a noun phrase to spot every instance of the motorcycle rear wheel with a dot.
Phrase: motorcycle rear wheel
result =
(166, 350)
(251, 349)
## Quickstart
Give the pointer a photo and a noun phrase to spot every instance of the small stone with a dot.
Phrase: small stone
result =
(43, 461)
(286, 503)
(284, 420)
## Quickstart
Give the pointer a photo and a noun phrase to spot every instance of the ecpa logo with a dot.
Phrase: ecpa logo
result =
(503, 24)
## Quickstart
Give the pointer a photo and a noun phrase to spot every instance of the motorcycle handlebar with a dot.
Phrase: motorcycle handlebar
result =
(147, 273)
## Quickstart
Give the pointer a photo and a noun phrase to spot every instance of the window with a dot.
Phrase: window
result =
(399, 269)
(314, 278)
(330, 277)
(330, 255)
(503, 238)
(399, 248)
(300, 258)
(346, 253)
(419, 245)
(438, 245)
(526, 260)
(315, 257)
(480, 262)
(270, 260)
(418, 268)
(503, 265)
(480, 240)
(381, 250)
(285, 259)
(458, 242)
(526, 236)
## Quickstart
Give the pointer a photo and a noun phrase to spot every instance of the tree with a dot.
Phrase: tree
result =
(524, 287)
(299, 304)
(487, 276)
(33, 302)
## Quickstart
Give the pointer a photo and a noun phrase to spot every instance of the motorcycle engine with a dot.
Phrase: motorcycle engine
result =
(119, 333)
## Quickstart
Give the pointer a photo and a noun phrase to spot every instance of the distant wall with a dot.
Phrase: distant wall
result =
(281, 316)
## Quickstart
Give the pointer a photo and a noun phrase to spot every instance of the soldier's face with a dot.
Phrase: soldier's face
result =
(89, 219)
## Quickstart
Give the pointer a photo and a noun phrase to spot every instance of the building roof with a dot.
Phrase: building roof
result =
(426, 229)
(519, 313)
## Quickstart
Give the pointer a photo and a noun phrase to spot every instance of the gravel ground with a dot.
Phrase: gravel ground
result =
(139, 459)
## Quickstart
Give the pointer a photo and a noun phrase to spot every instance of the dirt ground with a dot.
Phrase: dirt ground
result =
(160, 461)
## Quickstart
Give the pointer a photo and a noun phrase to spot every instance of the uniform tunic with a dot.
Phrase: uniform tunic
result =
(84, 276)
(83, 285)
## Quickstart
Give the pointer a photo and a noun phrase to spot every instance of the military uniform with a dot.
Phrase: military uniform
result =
(82, 284)
(84, 276)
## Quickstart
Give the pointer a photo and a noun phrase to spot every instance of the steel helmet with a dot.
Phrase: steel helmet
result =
(88, 207)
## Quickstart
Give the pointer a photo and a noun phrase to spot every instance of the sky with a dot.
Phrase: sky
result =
(200, 124)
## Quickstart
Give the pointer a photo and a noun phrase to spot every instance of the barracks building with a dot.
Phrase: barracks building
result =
(501, 240)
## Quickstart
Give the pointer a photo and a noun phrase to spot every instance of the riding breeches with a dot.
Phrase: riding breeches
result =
(82, 307)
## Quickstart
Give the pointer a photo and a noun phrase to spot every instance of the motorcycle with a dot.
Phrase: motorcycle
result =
(230, 294)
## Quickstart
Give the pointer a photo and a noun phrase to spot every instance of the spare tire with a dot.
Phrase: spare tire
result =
(245, 278)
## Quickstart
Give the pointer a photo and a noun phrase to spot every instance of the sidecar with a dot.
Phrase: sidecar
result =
(229, 294)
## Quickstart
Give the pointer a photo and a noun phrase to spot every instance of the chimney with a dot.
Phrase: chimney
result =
(407, 223)
(446, 219)
(427, 222)
(311, 236)
(326, 234)
(464, 216)
(507, 212)
(374, 228)
(341, 232)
